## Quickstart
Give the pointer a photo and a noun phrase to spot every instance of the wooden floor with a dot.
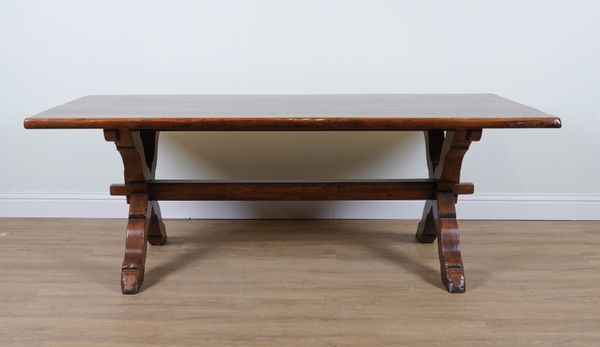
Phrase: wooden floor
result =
(299, 283)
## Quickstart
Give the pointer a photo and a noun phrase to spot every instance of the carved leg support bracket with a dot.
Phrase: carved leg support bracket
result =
(445, 153)
(138, 150)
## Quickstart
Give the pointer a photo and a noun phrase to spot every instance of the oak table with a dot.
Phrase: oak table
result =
(450, 123)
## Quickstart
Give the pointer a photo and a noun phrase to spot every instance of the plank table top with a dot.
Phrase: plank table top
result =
(293, 112)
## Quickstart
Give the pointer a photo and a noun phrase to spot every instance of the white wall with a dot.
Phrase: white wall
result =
(541, 53)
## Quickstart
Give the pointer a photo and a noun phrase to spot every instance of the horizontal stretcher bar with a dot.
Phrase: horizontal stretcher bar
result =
(419, 189)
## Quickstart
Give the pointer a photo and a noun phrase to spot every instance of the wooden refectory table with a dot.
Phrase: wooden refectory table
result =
(450, 123)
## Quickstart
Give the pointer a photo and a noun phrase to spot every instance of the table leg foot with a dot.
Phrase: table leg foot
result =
(451, 265)
(157, 234)
(134, 262)
(131, 280)
(426, 231)
(453, 279)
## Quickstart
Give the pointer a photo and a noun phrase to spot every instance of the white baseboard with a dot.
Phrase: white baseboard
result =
(479, 206)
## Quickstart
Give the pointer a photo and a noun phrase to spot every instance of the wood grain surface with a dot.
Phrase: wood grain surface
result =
(293, 112)
(299, 283)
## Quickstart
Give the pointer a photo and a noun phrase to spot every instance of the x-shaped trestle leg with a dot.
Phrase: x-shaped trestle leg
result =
(445, 153)
(138, 150)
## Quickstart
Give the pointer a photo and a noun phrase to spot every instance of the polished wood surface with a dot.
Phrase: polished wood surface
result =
(299, 283)
(293, 112)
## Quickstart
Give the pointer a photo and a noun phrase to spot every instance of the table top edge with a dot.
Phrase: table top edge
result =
(291, 123)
